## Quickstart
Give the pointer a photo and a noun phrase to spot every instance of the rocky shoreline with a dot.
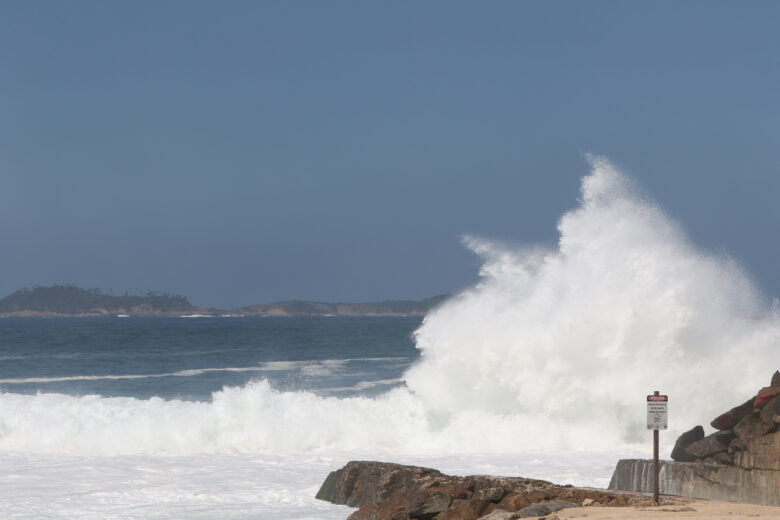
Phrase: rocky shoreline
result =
(386, 491)
(740, 461)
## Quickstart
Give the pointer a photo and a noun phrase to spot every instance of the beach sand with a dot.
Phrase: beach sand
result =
(709, 509)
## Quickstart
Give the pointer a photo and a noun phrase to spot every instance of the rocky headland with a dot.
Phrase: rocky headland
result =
(71, 301)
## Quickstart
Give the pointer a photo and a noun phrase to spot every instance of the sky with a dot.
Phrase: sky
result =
(245, 152)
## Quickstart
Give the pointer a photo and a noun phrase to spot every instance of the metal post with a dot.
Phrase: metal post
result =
(655, 462)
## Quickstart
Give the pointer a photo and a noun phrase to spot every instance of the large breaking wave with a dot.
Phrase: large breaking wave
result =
(553, 349)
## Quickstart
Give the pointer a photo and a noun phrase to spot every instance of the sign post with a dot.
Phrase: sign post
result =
(657, 419)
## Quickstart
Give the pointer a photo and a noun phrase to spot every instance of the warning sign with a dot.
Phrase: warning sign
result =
(657, 412)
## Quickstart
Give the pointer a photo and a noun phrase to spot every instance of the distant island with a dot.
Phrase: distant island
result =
(69, 300)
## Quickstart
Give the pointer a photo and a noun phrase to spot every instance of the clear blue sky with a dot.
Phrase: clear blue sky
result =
(245, 152)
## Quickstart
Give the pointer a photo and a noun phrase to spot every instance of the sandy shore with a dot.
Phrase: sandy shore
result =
(709, 509)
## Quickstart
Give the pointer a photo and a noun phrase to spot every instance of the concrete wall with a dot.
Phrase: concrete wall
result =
(755, 486)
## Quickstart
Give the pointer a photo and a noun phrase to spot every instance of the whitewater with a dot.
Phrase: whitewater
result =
(539, 370)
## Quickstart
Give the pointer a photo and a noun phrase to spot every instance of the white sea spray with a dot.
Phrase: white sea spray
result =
(569, 340)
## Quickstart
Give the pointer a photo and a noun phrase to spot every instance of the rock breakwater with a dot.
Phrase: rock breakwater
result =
(385, 491)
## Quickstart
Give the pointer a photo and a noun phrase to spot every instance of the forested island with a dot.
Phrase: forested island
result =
(69, 300)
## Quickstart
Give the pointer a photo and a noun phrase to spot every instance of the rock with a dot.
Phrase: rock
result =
(775, 379)
(517, 501)
(437, 498)
(764, 395)
(708, 446)
(729, 419)
(459, 511)
(724, 458)
(544, 509)
(384, 511)
(683, 441)
(488, 492)
(362, 483)
(760, 453)
(751, 427)
(719, 458)
(737, 445)
(770, 411)
(384, 491)
(587, 502)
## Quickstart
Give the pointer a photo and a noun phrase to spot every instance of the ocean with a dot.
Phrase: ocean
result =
(181, 417)
(539, 370)
(214, 418)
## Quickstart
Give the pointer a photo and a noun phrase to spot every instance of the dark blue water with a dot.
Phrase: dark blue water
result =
(189, 358)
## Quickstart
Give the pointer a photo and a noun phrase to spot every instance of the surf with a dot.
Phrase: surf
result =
(553, 349)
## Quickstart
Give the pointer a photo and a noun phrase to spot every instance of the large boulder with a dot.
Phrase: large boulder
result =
(765, 395)
(708, 446)
(729, 419)
(683, 441)
(751, 427)
(770, 413)
(361, 483)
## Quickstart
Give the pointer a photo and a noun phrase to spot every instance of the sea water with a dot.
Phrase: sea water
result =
(183, 418)
(539, 370)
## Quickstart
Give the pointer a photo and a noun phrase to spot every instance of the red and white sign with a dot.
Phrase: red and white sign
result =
(657, 412)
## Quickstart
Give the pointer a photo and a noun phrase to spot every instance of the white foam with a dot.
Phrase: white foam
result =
(307, 367)
(232, 487)
(228, 487)
(366, 385)
(575, 337)
(108, 377)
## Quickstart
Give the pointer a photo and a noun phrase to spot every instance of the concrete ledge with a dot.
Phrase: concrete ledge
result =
(690, 479)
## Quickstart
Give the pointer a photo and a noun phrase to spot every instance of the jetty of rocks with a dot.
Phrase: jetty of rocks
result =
(385, 491)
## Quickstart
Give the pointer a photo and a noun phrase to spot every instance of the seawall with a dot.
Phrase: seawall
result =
(690, 479)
